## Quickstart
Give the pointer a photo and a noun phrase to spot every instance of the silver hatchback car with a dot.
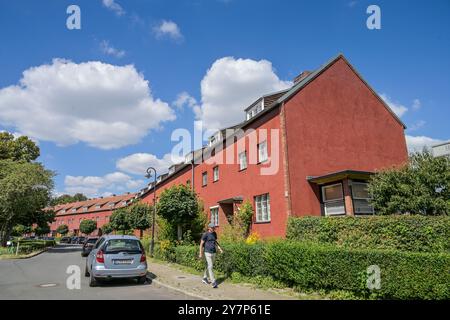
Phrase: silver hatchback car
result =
(116, 257)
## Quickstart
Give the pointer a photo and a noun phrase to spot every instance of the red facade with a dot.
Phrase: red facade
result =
(331, 132)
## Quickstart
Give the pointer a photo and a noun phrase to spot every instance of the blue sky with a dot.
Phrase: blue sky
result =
(167, 63)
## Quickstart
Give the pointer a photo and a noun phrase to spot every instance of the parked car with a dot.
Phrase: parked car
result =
(81, 240)
(88, 245)
(73, 240)
(65, 240)
(116, 257)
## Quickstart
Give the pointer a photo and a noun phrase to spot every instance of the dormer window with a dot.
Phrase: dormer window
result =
(172, 170)
(111, 205)
(63, 211)
(255, 109)
(85, 209)
(74, 210)
(214, 139)
(97, 206)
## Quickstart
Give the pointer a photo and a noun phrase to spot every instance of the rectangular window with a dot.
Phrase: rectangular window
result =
(262, 152)
(215, 216)
(204, 179)
(262, 204)
(333, 199)
(361, 198)
(74, 210)
(216, 174)
(85, 209)
(243, 160)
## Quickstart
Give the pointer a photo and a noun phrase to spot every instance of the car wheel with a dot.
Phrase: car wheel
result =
(92, 281)
(86, 272)
(142, 280)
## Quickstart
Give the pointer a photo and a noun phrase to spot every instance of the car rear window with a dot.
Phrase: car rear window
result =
(92, 240)
(123, 245)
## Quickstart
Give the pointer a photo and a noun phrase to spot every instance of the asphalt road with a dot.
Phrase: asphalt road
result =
(44, 277)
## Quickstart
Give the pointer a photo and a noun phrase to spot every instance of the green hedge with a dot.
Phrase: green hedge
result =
(28, 246)
(404, 275)
(406, 233)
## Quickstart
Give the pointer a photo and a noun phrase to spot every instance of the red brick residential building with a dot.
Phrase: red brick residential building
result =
(320, 141)
(99, 210)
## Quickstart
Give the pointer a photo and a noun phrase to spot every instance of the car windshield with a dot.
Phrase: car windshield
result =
(123, 245)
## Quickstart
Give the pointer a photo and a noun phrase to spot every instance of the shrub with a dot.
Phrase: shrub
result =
(406, 233)
(404, 275)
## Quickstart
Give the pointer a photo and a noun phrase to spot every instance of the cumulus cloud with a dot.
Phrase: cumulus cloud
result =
(110, 50)
(102, 105)
(93, 186)
(167, 29)
(396, 107)
(184, 99)
(418, 143)
(231, 85)
(114, 6)
(139, 162)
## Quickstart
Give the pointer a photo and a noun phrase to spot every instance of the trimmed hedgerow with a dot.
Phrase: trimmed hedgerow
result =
(406, 233)
(404, 275)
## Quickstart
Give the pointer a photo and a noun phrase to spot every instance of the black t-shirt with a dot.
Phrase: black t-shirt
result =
(210, 239)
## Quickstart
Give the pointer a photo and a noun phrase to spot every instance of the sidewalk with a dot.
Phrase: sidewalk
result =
(171, 276)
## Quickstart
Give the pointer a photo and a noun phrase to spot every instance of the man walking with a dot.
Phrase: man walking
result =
(208, 245)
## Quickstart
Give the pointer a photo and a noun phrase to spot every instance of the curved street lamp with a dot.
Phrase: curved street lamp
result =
(148, 176)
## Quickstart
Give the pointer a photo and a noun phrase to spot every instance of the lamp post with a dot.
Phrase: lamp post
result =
(148, 176)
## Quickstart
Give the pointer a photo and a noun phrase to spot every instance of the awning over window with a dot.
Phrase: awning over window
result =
(231, 200)
(340, 175)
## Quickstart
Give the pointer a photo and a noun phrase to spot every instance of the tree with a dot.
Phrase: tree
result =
(42, 230)
(139, 217)
(62, 229)
(88, 226)
(119, 220)
(25, 192)
(179, 206)
(17, 149)
(19, 230)
(106, 228)
(66, 198)
(420, 187)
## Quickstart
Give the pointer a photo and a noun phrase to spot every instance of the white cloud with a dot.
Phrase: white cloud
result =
(114, 6)
(110, 50)
(184, 99)
(103, 105)
(417, 143)
(167, 29)
(93, 186)
(231, 85)
(416, 104)
(139, 162)
(396, 107)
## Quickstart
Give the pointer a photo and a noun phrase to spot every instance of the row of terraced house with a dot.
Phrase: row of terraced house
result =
(306, 150)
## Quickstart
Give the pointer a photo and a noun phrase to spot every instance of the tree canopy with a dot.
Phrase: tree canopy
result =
(66, 198)
(88, 226)
(421, 187)
(119, 220)
(62, 229)
(25, 191)
(16, 149)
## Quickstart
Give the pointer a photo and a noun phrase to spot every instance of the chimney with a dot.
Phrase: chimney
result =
(301, 76)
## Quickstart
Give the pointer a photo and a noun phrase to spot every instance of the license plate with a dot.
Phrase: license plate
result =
(121, 262)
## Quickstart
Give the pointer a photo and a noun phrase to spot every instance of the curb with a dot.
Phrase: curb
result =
(179, 290)
(30, 256)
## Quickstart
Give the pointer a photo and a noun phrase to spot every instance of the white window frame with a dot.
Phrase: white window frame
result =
(243, 156)
(262, 208)
(262, 157)
(360, 198)
(216, 174)
(334, 200)
(214, 215)
(204, 179)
